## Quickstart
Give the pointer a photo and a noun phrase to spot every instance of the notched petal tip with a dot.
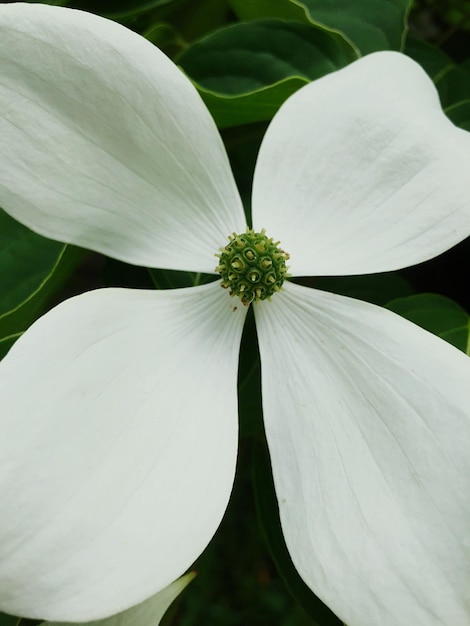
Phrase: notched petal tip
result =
(361, 171)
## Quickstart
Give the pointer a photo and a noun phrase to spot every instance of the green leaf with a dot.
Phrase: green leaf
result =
(440, 315)
(459, 114)
(374, 288)
(172, 29)
(268, 514)
(165, 37)
(452, 80)
(433, 60)
(9, 620)
(454, 85)
(367, 25)
(244, 72)
(25, 261)
(31, 269)
(193, 20)
(5, 345)
(190, 20)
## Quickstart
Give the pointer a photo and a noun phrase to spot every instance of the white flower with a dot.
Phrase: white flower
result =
(148, 613)
(118, 429)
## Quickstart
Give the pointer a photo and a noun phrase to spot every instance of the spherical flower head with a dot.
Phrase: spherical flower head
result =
(252, 266)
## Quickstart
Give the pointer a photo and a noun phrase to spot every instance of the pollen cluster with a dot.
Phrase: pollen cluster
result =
(252, 266)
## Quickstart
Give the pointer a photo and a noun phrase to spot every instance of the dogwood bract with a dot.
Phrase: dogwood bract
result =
(119, 407)
(148, 613)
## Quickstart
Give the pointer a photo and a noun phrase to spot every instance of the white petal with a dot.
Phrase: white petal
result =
(148, 613)
(367, 420)
(106, 144)
(361, 172)
(118, 442)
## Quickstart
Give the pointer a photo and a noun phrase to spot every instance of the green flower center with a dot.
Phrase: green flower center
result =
(252, 266)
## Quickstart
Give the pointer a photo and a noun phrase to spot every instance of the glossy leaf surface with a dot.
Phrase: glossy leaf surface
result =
(441, 316)
(368, 25)
(245, 72)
